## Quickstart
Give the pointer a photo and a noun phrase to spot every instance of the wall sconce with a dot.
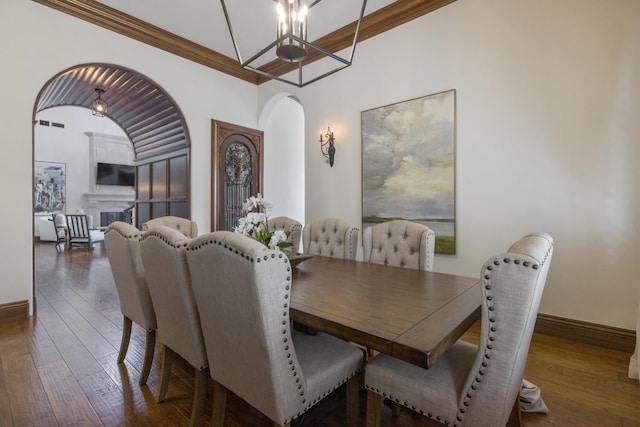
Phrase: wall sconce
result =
(99, 107)
(330, 151)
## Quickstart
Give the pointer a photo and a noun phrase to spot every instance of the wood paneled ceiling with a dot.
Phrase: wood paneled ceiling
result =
(146, 113)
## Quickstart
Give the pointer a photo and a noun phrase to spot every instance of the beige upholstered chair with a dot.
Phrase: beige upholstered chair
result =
(242, 289)
(288, 224)
(400, 243)
(163, 251)
(80, 232)
(123, 250)
(185, 226)
(469, 385)
(330, 237)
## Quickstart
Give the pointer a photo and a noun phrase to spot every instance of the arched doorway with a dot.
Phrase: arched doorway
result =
(282, 119)
(149, 118)
(153, 126)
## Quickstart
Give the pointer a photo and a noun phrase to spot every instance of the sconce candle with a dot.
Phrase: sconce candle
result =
(327, 147)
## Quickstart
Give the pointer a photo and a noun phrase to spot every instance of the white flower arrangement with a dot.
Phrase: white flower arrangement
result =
(256, 226)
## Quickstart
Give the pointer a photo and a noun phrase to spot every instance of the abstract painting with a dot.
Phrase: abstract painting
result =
(49, 190)
(408, 165)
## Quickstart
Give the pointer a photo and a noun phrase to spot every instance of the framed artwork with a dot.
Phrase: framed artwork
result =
(408, 165)
(49, 187)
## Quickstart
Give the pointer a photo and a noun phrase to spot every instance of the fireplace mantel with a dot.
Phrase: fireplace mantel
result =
(108, 202)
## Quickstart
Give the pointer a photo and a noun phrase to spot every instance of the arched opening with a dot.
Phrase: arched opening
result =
(151, 127)
(282, 119)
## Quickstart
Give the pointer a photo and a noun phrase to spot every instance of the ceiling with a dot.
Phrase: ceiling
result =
(197, 31)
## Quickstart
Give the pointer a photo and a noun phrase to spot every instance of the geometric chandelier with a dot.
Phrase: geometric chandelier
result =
(290, 19)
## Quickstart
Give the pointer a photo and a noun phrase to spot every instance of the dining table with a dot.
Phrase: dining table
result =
(412, 315)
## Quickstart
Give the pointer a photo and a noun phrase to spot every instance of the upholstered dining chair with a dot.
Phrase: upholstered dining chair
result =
(399, 243)
(288, 224)
(330, 237)
(243, 293)
(163, 251)
(475, 385)
(123, 251)
(185, 226)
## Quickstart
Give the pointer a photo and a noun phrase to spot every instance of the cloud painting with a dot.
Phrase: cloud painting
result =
(408, 165)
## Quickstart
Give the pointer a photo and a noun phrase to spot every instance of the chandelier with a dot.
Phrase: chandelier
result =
(291, 44)
(99, 107)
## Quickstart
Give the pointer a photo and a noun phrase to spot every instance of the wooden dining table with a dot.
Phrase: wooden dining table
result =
(412, 315)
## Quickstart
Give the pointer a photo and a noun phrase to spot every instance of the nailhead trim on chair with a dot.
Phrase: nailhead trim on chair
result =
(135, 234)
(349, 240)
(153, 232)
(491, 335)
(488, 347)
(285, 321)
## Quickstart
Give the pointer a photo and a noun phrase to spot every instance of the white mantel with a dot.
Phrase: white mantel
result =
(108, 198)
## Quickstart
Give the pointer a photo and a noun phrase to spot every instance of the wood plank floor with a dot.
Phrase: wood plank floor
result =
(59, 367)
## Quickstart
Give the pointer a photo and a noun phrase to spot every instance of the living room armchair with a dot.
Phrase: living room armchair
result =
(79, 232)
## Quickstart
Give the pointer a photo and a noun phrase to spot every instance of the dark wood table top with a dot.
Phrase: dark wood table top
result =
(409, 314)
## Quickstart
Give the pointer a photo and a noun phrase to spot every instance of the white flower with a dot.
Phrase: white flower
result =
(277, 237)
(256, 202)
(256, 218)
(256, 226)
(244, 227)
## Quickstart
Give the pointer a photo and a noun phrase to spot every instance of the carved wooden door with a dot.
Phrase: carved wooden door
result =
(236, 172)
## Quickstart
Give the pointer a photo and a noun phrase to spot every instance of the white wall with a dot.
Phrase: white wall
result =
(70, 145)
(548, 138)
(284, 148)
(45, 42)
(547, 96)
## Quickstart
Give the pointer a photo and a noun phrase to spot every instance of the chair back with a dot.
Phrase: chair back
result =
(288, 224)
(163, 251)
(79, 231)
(78, 226)
(59, 221)
(399, 243)
(60, 226)
(185, 226)
(330, 237)
(512, 288)
(242, 289)
(123, 250)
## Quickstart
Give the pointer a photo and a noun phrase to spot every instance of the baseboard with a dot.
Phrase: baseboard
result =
(588, 333)
(14, 311)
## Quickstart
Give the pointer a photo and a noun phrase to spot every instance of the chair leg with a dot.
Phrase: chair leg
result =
(126, 336)
(514, 418)
(219, 405)
(165, 372)
(149, 348)
(199, 397)
(374, 409)
(353, 399)
(395, 407)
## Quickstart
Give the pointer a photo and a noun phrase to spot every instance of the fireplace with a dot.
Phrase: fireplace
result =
(107, 218)
(106, 208)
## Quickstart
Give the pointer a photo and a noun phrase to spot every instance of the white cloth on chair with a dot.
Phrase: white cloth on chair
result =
(530, 399)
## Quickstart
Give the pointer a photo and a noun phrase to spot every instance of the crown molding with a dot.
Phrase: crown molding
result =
(391, 16)
(134, 28)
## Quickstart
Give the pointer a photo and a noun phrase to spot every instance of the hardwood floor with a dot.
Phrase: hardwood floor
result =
(59, 367)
